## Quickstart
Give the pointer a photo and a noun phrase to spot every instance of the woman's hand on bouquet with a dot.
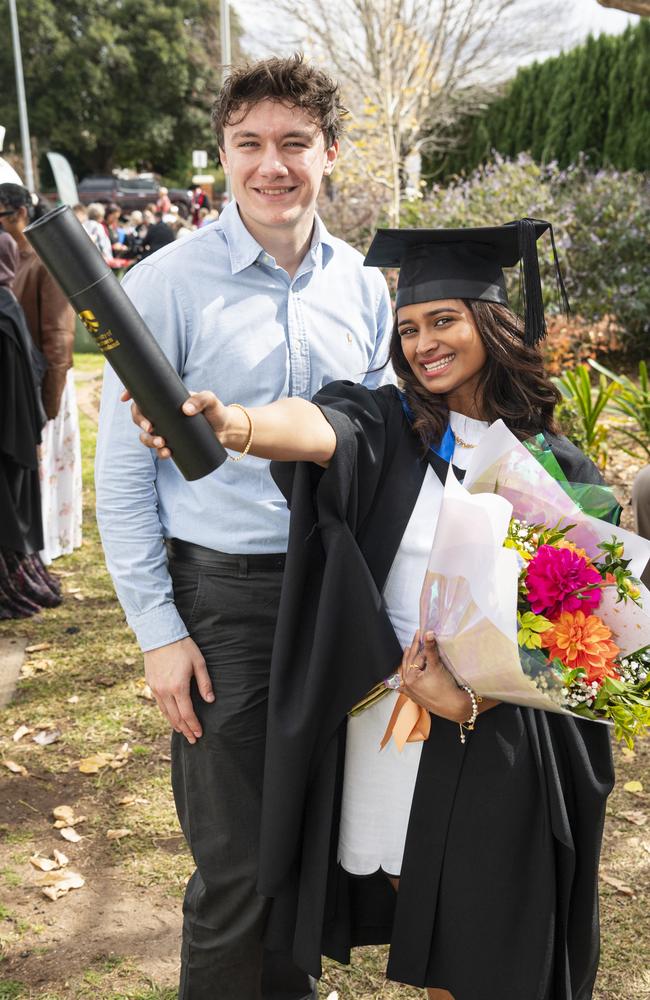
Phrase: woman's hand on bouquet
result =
(426, 680)
(220, 417)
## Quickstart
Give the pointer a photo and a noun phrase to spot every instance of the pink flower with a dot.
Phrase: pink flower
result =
(557, 580)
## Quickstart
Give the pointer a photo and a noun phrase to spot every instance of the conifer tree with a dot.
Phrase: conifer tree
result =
(593, 100)
(639, 135)
(618, 118)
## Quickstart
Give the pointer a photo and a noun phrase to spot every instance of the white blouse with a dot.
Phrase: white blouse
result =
(378, 784)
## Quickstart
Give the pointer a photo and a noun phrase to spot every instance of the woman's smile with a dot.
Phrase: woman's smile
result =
(437, 366)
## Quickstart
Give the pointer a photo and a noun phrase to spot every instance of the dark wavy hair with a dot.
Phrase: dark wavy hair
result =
(514, 385)
(291, 81)
(16, 196)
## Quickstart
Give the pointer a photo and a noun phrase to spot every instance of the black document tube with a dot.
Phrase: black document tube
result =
(124, 338)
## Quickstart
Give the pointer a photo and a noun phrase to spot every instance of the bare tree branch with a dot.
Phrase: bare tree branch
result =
(640, 7)
(409, 68)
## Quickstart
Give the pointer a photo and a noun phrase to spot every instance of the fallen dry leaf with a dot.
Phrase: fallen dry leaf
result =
(58, 860)
(146, 693)
(79, 597)
(634, 787)
(94, 764)
(59, 883)
(64, 813)
(37, 647)
(70, 834)
(121, 757)
(118, 834)
(43, 864)
(20, 732)
(15, 768)
(621, 887)
(130, 662)
(45, 737)
(132, 800)
(65, 817)
(628, 752)
(635, 816)
(73, 590)
(73, 699)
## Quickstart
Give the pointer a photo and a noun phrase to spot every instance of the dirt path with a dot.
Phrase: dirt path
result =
(88, 386)
(108, 920)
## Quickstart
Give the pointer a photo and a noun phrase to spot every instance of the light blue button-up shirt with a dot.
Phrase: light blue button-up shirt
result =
(233, 321)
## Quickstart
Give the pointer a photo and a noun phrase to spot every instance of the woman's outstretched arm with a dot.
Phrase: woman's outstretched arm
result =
(289, 430)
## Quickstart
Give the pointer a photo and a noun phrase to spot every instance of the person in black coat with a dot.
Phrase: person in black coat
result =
(476, 859)
(25, 584)
(158, 235)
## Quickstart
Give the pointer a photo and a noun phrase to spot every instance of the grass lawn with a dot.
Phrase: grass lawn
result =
(118, 935)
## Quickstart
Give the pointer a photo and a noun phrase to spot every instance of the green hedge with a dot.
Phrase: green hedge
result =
(593, 100)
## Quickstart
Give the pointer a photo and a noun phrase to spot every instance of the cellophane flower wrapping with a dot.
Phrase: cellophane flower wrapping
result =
(471, 591)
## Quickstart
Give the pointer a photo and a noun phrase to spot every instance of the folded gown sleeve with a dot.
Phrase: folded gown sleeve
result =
(331, 613)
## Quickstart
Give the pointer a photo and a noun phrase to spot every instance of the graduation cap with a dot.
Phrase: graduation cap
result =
(467, 264)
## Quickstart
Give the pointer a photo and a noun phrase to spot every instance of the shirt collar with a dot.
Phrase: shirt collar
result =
(244, 249)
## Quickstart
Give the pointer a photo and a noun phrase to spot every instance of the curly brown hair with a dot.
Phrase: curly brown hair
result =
(515, 386)
(291, 81)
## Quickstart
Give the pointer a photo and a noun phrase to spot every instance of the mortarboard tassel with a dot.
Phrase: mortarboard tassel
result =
(564, 299)
(530, 283)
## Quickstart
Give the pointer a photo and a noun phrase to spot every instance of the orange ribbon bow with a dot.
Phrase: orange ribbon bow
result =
(409, 723)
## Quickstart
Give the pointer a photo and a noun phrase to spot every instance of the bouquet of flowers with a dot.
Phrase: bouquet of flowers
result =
(533, 598)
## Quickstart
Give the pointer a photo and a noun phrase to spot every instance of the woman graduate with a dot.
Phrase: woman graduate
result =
(492, 842)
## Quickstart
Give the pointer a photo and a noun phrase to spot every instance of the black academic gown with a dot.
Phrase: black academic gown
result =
(20, 432)
(498, 891)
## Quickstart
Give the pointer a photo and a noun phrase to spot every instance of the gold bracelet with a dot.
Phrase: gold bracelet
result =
(250, 433)
(471, 722)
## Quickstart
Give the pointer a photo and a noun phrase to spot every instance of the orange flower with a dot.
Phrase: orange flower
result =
(580, 640)
(564, 543)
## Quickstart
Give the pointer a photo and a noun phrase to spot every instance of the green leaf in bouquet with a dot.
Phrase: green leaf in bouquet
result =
(570, 676)
(531, 627)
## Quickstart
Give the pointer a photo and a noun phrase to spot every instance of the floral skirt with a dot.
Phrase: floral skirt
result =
(26, 587)
(60, 473)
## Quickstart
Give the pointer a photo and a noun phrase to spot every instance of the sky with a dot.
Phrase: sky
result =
(582, 17)
(588, 16)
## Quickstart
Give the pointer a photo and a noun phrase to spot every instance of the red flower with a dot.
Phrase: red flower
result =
(558, 580)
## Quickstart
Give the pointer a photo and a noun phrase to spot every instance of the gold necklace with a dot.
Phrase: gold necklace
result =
(463, 444)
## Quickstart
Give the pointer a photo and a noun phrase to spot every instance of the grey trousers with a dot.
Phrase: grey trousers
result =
(641, 507)
(229, 604)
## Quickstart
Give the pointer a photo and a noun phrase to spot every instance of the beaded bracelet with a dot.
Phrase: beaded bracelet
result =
(250, 433)
(471, 722)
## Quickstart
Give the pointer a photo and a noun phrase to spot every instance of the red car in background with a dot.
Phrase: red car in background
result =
(130, 193)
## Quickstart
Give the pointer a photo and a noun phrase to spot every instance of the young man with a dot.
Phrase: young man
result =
(262, 304)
